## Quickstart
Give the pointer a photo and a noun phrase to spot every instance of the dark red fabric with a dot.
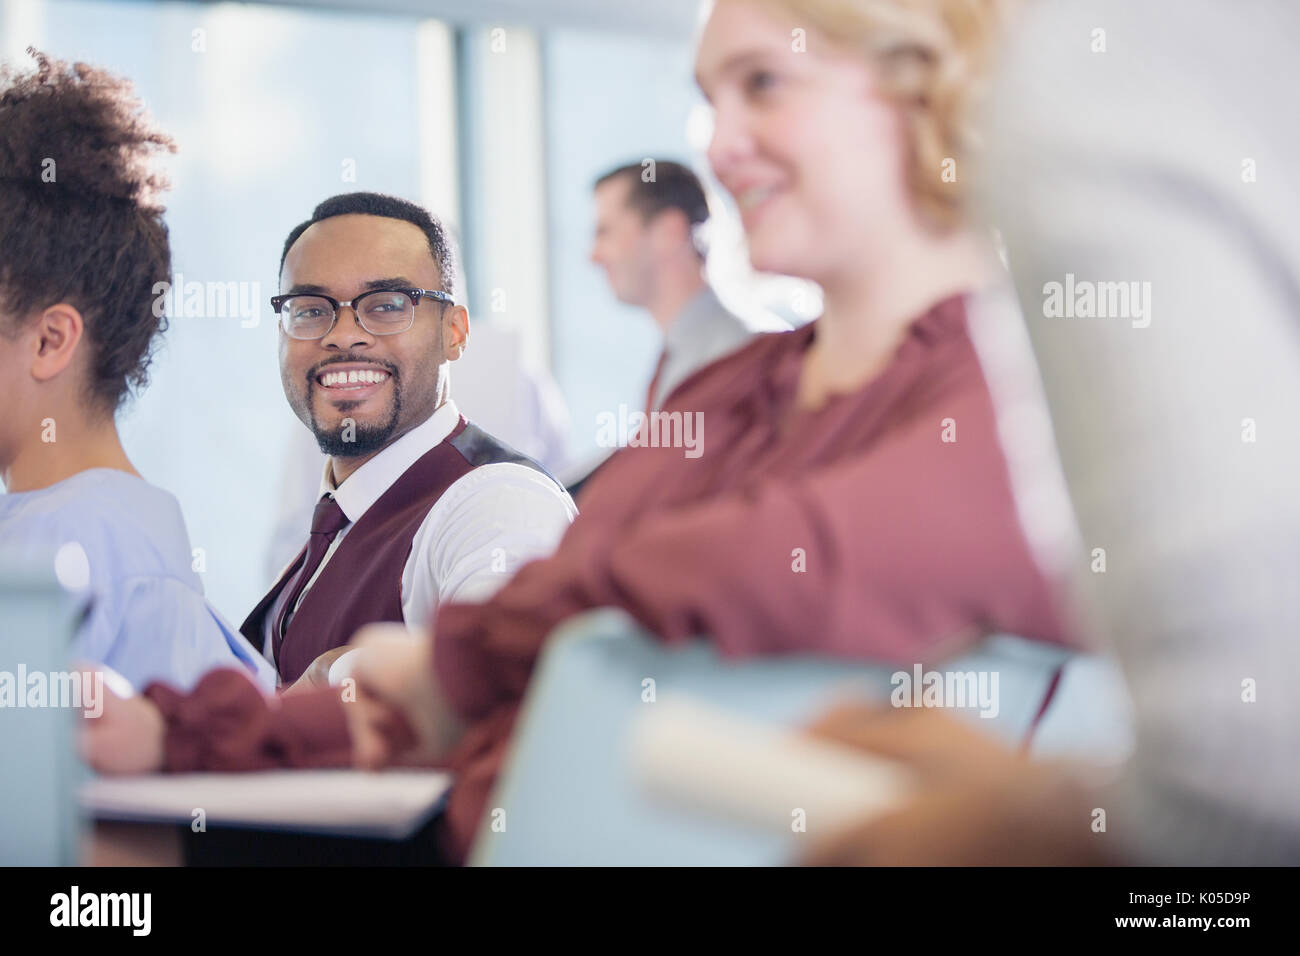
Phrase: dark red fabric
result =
(654, 382)
(326, 522)
(225, 724)
(362, 583)
(911, 545)
(477, 758)
(1048, 697)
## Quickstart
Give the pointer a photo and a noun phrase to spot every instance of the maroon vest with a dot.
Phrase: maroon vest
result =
(362, 581)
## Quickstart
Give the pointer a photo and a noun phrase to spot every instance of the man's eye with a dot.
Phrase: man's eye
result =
(760, 81)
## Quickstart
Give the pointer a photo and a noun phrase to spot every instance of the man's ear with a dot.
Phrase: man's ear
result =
(455, 332)
(670, 229)
(57, 332)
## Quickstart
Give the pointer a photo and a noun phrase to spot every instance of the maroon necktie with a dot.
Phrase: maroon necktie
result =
(326, 521)
(654, 382)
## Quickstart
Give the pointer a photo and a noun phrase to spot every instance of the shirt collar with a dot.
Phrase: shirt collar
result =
(699, 308)
(363, 487)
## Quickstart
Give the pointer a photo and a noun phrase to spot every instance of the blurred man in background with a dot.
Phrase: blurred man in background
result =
(648, 217)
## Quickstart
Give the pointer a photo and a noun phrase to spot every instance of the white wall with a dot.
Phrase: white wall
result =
(610, 99)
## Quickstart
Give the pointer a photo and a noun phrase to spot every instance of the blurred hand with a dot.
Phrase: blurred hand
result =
(126, 738)
(977, 802)
(317, 675)
(393, 715)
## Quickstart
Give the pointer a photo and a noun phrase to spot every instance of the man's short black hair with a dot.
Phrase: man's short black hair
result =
(390, 207)
(674, 186)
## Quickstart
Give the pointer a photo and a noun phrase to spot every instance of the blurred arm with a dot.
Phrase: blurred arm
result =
(1177, 428)
(226, 724)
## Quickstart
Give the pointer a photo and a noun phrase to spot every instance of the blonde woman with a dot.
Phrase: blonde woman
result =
(852, 496)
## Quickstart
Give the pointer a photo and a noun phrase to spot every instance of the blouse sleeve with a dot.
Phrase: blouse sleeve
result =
(900, 553)
(226, 724)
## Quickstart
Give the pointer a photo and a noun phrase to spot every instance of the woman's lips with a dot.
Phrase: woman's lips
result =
(753, 202)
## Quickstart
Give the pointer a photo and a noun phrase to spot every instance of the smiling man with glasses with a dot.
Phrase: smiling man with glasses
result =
(417, 506)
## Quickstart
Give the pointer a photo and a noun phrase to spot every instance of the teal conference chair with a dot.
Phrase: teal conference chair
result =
(566, 789)
(39, 772)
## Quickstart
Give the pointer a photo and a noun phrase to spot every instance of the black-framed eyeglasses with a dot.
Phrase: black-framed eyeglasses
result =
(380, 311)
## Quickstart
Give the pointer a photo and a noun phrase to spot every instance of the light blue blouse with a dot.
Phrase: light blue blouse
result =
(122, 542)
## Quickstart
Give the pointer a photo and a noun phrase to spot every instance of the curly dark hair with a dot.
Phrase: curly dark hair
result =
(79, 217)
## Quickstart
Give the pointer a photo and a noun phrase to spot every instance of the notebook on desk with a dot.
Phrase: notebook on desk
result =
(390, 804)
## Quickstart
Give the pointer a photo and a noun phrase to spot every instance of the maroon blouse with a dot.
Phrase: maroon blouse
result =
(861, 529)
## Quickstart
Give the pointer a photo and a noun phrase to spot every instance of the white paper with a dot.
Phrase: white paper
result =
(701, 758)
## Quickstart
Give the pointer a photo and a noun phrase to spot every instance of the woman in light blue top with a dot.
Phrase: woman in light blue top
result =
(82, 244)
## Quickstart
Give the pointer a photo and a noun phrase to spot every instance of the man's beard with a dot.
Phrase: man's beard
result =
(359, 439)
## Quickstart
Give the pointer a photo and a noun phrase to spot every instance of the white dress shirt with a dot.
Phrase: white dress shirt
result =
(482, 529)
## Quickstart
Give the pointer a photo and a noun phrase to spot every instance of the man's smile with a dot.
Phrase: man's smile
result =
(351, 381)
